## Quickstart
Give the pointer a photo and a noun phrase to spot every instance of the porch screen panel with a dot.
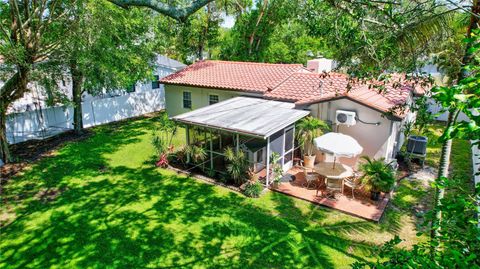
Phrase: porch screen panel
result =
(288, 140)
(276, 144)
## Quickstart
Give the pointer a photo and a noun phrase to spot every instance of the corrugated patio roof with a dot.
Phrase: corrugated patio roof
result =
(246, 115)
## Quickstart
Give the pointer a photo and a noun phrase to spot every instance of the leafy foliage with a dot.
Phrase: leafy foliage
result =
(237, 165)
(378, 176)
(197, 153)
(276, 169)
(253, 189)
(423, 115)
(162, 139)
(458, 239)
(307, 129)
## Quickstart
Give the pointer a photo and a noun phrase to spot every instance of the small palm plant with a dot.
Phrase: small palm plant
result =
(276, 169)
(378, 176)
(307, 129)
(237, 165)
(198, 154)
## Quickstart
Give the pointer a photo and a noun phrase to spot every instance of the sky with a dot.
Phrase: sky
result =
(228, 21)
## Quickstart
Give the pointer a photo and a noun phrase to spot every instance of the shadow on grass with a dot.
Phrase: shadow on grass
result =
(118, 216)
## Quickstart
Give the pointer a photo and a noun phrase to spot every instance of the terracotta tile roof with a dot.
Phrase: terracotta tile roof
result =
(303, 88)
(241, 76)
(293, 83)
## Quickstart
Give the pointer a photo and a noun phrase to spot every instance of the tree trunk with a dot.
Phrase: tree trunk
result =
(77, 82)
(4, 150)
(442, 173)
(13, 89)
(452, 118)
(251, 39)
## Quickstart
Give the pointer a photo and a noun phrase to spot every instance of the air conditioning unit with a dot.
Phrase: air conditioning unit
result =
(345, 117)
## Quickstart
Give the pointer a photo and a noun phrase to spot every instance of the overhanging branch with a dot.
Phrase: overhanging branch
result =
(179, 14)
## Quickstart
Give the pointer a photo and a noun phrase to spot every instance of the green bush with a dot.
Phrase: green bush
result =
(253, 189)
(378, 175)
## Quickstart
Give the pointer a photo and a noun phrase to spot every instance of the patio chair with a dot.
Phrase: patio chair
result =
(311, 178)
(353, 183)
(334, 185)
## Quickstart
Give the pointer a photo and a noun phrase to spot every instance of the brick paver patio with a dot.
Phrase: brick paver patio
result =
(362, 206)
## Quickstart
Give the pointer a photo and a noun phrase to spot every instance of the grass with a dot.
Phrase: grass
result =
(100, 203)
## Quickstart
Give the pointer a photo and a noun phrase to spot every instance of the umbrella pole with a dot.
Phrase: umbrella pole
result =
(334, 161)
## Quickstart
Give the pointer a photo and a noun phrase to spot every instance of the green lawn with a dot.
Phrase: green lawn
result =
(101, 203)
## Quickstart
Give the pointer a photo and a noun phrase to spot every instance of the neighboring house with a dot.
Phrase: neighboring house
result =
(369, 115)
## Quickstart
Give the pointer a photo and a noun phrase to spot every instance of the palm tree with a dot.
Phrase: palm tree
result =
(238, 165)
(377, 177)
(307, 129)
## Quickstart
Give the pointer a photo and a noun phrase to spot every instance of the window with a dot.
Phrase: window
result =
(187, 100)
(156, 83)
(213, 99)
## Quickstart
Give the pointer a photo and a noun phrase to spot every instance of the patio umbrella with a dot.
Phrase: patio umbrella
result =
(339, 145)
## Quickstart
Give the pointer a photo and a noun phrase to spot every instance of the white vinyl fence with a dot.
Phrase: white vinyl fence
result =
(42, 123)
(437, 109)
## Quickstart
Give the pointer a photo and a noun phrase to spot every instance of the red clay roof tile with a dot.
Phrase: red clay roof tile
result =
(311, 88)
(242, 76)
(291, 83)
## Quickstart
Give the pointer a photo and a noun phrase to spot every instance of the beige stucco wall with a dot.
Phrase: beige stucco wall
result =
(377, 141)
(200, 97)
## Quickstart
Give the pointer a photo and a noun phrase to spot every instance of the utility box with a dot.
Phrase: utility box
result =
(417, 144)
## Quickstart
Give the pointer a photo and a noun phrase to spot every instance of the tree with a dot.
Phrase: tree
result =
(199, 34)
(31, 32)
(454, 235)
(167, 9)
(254, 27)
(98, 60)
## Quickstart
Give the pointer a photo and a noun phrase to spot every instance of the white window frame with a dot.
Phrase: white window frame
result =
(183, 100)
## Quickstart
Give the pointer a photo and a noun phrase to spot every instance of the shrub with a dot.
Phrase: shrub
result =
(378, 175)
(253, 189)
(237, 166)
(308, 129)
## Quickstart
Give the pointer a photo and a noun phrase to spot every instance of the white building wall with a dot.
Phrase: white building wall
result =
(377, 141)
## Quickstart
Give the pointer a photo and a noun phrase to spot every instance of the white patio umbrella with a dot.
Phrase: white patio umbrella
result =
(339, 145)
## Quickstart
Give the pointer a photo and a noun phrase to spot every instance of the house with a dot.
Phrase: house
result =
(351, 107)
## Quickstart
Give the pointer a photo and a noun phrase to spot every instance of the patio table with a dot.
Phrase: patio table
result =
(340, 171)
(337, 174)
